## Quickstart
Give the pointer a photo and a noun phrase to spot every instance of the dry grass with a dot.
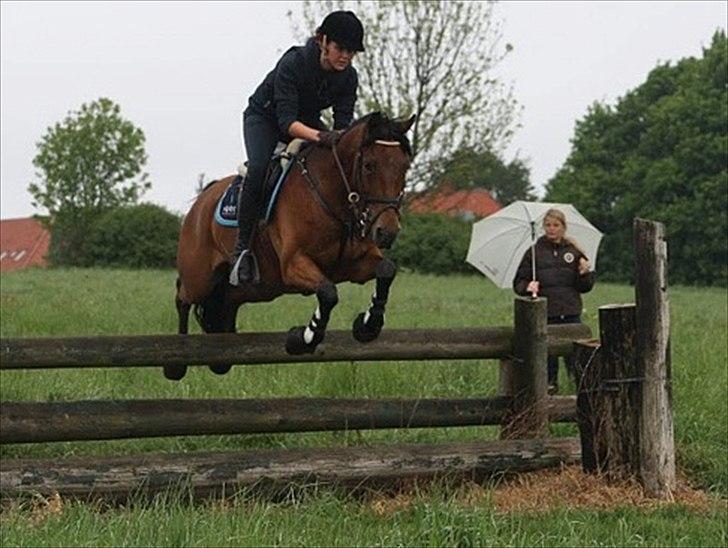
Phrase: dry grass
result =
(572, 488)
(546, 490)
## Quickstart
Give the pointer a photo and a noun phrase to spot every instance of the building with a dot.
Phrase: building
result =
(23, 243)
(467, 204)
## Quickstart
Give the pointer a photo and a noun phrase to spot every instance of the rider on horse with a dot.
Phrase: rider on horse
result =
(287, 105)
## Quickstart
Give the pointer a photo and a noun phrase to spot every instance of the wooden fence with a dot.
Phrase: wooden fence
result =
(522, 409)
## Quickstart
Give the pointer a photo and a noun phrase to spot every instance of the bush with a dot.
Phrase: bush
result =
(137, 236)
(432, 243)
(69, 245)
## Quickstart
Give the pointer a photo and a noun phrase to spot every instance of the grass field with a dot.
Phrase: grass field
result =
(108, 302)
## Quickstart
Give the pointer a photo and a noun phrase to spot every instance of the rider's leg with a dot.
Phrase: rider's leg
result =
(261, 137)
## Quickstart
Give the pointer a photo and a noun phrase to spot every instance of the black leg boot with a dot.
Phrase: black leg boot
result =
(245, 268)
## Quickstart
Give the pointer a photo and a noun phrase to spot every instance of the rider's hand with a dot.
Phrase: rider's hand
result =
(533, 287)
(329, 138)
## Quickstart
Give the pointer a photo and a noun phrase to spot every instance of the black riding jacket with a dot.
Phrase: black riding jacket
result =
(557, 270)
(299, 89)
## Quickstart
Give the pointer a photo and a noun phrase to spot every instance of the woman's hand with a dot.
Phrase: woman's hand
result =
(584, 266)
(533, 287)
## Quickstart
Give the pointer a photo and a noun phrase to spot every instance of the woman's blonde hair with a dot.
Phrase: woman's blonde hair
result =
(558, 215)
(555, 214)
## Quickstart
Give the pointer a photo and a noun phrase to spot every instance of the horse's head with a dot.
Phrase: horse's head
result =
(379, 155)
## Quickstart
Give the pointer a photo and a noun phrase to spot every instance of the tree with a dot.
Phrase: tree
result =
(435, 59)
(661, 152)
(469, 168)
(90, 162)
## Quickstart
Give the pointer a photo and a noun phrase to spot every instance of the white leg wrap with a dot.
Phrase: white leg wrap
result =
(308, 335)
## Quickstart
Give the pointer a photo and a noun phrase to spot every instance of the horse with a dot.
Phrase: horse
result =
(337, 210)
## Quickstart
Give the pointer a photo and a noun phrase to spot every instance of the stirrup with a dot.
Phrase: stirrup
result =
(253, 274)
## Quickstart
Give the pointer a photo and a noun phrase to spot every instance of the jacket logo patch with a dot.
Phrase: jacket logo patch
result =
(569, 257)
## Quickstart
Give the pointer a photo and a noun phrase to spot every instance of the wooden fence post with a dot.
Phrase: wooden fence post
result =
(587, 366)
(657, 463)
(528, 417)
(505, 377)
(620, 389)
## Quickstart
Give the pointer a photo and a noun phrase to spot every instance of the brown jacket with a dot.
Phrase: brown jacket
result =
(557, 271)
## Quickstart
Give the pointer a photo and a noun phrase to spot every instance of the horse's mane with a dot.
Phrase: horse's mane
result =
(382, 128)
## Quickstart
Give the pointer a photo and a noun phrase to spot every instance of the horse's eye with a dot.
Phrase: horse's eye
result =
(369, 167)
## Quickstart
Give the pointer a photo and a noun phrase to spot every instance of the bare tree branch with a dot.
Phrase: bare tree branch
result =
(436, 59)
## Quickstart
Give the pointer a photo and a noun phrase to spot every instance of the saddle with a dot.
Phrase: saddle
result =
(278, 168)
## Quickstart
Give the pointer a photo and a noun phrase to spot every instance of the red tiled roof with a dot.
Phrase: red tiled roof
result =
(23, 243)
(477, 201)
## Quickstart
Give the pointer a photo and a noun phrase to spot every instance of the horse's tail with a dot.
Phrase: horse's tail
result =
(209, 313)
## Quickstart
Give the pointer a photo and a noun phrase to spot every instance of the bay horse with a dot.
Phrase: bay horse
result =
(337, 209)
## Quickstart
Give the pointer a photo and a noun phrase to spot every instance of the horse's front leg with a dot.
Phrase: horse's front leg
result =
(303, 273)
(368, 325)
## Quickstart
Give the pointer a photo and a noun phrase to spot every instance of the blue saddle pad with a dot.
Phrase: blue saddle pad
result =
(226, 212)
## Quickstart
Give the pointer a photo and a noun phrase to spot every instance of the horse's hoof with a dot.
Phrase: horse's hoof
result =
(296, 344)
(367, 332)
(220, 368)
(174, 372)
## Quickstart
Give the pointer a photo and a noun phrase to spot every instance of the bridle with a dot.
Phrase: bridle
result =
(361, 219)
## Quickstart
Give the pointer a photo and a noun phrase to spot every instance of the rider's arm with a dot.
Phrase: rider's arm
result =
(302, 131)
(286, 99)
(285, 94)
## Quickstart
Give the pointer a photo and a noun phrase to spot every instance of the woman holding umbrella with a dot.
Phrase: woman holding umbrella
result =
(562, 273)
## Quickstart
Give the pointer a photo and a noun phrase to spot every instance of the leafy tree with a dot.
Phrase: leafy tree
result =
(469, 168)
(88, 163)
(436, 59)
(661, 153)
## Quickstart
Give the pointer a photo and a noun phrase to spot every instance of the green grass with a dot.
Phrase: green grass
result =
(40, 303)
(327, 520)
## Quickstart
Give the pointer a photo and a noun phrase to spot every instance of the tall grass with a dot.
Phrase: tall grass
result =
(328, 520)
(42, 303)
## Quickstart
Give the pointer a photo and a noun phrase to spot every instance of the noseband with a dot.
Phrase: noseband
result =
(358, 203)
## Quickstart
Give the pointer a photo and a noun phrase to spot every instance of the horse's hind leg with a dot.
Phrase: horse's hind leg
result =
(176, 372)
(227, 325)
(368, 325)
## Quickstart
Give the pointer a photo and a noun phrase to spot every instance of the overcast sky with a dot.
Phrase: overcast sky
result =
(182, 71)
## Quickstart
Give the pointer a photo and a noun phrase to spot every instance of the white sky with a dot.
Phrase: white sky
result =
(182, 71)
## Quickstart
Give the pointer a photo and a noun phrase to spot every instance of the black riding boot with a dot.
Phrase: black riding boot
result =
(245, 267)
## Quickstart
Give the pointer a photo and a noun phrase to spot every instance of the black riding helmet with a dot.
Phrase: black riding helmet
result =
(344, 28)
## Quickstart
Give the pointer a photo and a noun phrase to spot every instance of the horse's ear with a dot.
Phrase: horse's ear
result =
(405, 125)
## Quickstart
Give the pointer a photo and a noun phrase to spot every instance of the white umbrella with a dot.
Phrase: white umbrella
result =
(498, 242)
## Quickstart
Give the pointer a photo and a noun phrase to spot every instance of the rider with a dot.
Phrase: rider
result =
(287, 105)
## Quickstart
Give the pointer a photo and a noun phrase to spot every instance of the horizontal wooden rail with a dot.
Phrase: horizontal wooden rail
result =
(269, 348)
(29, 422)
(118, 477)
